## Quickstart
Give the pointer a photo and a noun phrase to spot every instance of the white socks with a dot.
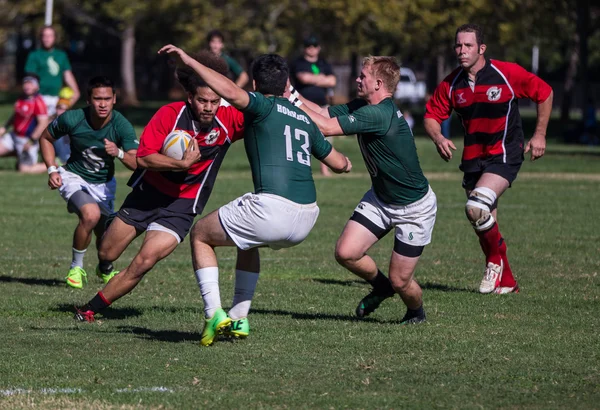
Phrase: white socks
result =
(245, 284)
(208, 281)
(77, 258)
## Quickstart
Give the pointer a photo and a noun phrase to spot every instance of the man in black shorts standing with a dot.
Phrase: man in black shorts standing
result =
(484, 93)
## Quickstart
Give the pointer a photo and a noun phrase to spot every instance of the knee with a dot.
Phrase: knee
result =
(104, 252)
(345, 254)
(400, 284)
(90, 217)
(479, 208)
(196, 235)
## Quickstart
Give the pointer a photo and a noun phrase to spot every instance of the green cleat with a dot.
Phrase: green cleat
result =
(105, 277)
(214, 326)
(238, 328)
(76, 277)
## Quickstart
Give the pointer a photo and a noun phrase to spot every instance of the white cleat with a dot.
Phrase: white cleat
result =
(503, 290)
(491, 278)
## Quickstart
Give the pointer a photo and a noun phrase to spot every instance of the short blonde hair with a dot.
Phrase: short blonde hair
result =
(386, 68)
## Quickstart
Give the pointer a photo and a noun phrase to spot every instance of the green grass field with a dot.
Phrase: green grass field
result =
(539, 349)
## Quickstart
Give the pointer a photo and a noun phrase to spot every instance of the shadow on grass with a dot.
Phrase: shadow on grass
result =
(445, 288)
(172, 336)
(318, 316)
(109, 313)
(424, 285)
(340, 282)
(32, 281)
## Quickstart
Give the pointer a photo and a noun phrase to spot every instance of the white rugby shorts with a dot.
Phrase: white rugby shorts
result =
(103, 193)
(413, 223)
(267, 220)
(12, 142)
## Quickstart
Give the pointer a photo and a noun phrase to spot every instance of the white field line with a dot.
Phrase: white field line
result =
(50, 390)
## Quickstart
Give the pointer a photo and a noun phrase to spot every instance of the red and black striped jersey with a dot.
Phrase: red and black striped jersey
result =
(189, 189)
(488, 109)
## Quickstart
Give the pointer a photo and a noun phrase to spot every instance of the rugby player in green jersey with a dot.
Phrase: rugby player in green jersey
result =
(98, 135)
(279, 140)
(400, 197)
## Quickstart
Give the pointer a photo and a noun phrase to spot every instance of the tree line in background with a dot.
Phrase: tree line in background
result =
(419, 32)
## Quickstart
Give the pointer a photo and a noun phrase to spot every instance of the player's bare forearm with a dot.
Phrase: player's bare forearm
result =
(129, 159)
(433, 129)
(544, 110)
(242, 80)
(221, 85)
(42, 123)
(47, 149)
(443, 145)
(337, 162)
(313, 107)
(160, 162)
(328, 126)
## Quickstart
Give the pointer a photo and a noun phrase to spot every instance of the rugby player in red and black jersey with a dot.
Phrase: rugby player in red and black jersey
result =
(167, 193)
(484, 93)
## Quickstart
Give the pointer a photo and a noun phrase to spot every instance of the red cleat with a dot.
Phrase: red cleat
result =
(84, 316)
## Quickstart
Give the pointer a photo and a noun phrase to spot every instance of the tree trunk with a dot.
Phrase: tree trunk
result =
(583, 24)
(569, 83)
(128, 65)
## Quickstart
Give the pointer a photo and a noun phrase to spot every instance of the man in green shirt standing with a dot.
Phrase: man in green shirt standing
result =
(98, 134)
(400, 196)
(279, 141)
(54, 69)
(216, 44)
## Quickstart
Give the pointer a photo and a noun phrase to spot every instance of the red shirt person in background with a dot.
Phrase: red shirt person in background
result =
(167, 193)
(28, 121)
(484, 94)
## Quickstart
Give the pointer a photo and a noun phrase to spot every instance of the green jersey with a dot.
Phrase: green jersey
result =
(279, 140)
(388, 148)
(88, 157)
(233, 65)
(50, 66)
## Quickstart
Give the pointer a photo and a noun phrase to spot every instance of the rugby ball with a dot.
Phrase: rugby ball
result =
(175, 144)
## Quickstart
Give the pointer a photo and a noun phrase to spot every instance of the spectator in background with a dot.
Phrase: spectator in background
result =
(216, 44)
(590, 125)
(28, 121)
(312, 76)
(53, 68)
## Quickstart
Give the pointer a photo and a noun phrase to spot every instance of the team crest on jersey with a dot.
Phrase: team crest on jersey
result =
(351, 118)
(493, 93)
(211, 137)
(460, 98)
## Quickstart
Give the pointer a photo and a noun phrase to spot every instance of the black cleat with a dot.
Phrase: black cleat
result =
(371, 302)
(410, 318)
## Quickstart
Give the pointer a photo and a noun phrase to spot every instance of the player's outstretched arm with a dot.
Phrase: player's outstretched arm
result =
(337, 162)
(49, 158)
(298, 100)
(160, 162)
(220, 84)
(537, 143)
(444, 146)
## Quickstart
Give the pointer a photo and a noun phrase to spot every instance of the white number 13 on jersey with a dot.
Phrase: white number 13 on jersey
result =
(303, 158)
